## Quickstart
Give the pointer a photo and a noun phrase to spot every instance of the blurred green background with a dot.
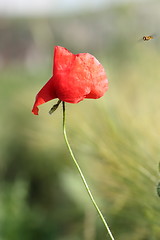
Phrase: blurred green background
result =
(116, 139)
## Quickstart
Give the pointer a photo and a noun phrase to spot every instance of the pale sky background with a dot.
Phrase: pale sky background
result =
(44, 7)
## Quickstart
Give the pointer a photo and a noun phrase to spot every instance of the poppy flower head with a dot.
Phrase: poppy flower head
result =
(75, 77)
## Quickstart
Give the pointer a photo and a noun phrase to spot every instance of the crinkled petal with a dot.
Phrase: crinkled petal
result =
(78, 76)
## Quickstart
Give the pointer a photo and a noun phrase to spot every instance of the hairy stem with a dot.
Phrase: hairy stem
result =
(82, 176)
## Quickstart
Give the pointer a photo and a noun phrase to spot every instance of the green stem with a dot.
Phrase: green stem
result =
(82, 176)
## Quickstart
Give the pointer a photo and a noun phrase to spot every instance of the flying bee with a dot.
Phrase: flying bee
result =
(147, 38)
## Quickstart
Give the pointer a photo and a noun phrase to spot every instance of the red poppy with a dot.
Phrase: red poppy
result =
(75, 77)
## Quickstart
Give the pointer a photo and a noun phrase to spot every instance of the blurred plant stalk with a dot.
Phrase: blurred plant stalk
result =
(82, 176)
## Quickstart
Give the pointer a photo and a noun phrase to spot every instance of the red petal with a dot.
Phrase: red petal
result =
(45, 94)
(62, 59)
(99, 80)
(78, 76)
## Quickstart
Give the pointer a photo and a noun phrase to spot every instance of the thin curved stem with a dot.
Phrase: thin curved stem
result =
(82, 176)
